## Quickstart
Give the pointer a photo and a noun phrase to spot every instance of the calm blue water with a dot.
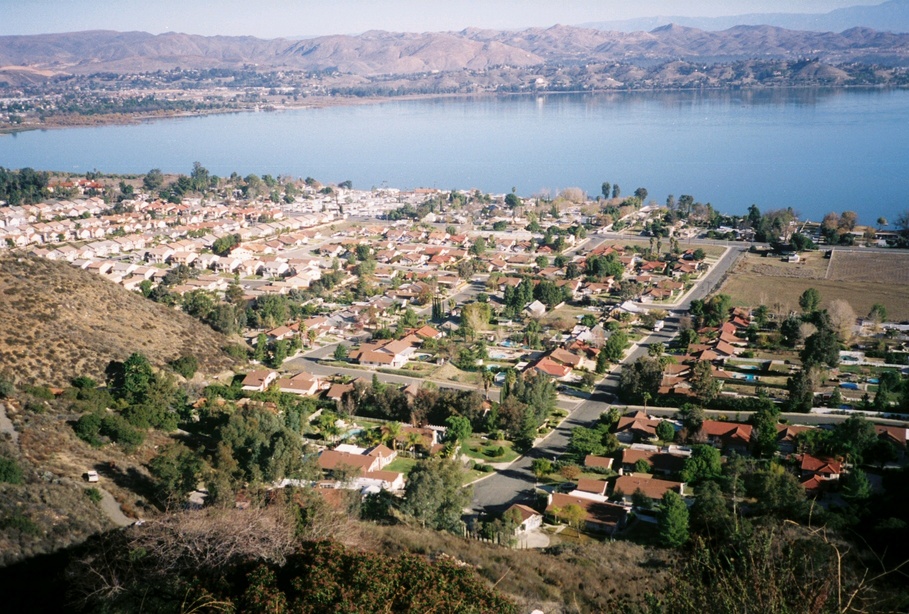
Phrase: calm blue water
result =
(814, 150)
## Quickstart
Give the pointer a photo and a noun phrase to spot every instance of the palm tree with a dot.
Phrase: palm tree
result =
(391, 431)
(488, 378)
(413, 439)
(372, 437)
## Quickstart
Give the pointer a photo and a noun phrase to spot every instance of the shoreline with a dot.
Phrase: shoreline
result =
(119, 119)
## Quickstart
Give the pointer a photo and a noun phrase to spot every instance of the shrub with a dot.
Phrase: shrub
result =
(21, 523)
(88, 428)
(84, 382)
(495, 452)
(6, 387)
(120, 431)
(93, 494)
(41, 392)
(185, 366)
(236, 351)
(10, 471)
(35, 406)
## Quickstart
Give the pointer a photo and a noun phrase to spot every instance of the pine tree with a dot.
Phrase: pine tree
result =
(602, 362)
(673, 521)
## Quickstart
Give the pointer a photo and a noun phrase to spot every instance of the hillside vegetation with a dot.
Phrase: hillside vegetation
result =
(60, 322)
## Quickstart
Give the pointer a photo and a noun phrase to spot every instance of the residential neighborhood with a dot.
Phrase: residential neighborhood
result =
(522, 373)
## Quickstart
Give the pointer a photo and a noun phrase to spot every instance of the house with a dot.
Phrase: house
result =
(530, 518)
(384, 454)
(552, 368)
(818, 474)
(787, 437)
(332, 460)
(592, 486)
(337, 391)
(280, 333)
(660, 461)
(652, 488)
(370, 482)
(727, 436)
(636, 427)
(427, 332)
(320, 324)
(600, 516)
(894, 434)
(566, 358)
(356, 459)
(302, 383)
(258, 381)
(386, 353)
(822, 468)
(536, 309)
(597, 462)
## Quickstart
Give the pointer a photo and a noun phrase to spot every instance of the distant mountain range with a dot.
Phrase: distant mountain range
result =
(378, 53)
(892, 16)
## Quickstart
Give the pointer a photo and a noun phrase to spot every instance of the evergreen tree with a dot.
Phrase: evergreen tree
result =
(602, 362)
(673, 520)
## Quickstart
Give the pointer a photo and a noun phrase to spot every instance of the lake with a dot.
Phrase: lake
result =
(814, 150)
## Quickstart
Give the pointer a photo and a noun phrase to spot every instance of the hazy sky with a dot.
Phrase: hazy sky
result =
(278, 18)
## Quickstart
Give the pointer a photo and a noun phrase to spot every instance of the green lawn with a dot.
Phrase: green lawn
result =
(401, 465)
(483, 450)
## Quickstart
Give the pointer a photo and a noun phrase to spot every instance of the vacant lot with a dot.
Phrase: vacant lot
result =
(873, 267)
(756, 280)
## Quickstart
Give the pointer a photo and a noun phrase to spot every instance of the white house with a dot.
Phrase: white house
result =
(530, 518)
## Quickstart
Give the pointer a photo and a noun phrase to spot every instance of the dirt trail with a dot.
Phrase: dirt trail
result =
(108, 505)
(6, 426)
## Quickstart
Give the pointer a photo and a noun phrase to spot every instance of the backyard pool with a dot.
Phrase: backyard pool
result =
(849, 386)
(747, 378)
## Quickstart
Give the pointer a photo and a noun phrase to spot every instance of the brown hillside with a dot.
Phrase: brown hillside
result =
(373, 53)
(58, 322)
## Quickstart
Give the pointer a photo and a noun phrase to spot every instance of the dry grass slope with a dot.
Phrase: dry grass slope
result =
(594, 577)
(59, 322)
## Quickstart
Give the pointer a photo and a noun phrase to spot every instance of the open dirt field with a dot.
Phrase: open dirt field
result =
(862, 279)
(876, 267)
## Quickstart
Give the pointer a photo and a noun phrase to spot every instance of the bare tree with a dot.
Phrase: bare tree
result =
(202, 541)
(842, 318)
